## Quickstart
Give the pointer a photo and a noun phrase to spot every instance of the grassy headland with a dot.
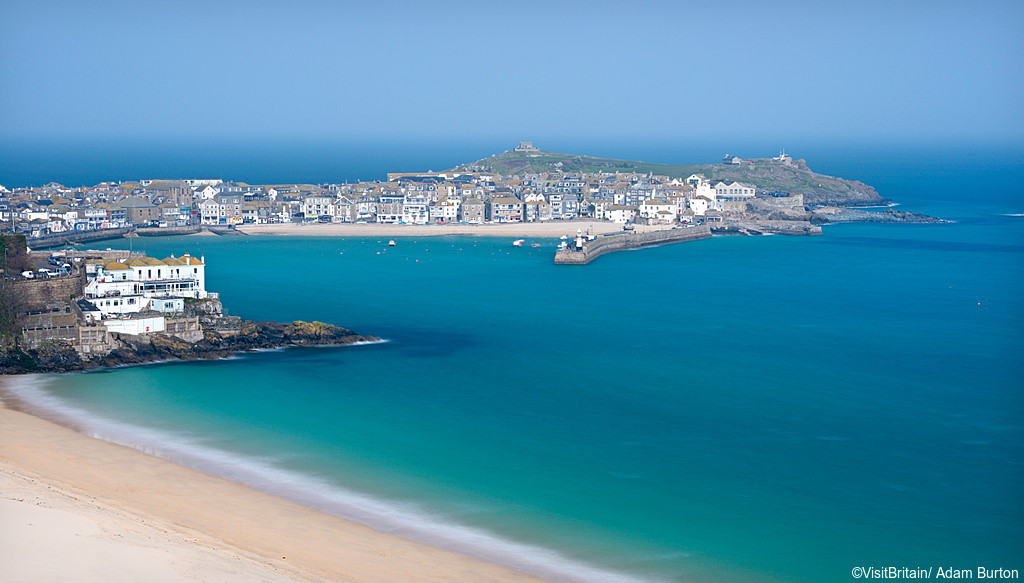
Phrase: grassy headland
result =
(768, 175)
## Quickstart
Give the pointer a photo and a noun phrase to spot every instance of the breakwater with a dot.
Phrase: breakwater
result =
(622, 241)
(167, 231)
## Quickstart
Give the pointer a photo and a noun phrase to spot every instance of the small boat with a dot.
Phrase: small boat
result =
(535, 245)
(391, 243)
(518, 242)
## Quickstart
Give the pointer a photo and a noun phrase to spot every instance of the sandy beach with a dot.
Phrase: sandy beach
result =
(510, 230)
(74, 508)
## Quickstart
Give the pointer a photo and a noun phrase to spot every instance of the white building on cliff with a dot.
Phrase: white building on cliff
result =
(127, 287)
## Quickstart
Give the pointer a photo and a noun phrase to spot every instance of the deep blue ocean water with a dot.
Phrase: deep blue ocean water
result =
(733, 409)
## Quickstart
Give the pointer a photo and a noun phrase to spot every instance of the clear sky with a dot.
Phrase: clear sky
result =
(524, 69)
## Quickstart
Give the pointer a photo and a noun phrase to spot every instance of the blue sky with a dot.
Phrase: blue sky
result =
(523, 69)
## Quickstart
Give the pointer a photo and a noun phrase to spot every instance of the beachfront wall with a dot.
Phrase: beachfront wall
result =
(610, 243)
(136, 326)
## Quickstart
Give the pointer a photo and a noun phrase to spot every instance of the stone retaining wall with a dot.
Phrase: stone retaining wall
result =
(39, 292)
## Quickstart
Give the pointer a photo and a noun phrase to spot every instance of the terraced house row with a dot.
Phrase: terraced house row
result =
(435, 197)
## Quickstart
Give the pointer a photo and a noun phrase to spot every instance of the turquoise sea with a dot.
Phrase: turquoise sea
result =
(733, 409)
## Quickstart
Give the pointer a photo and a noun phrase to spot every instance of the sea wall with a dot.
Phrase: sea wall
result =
(167, 231)
(622, 241)
(62, 239)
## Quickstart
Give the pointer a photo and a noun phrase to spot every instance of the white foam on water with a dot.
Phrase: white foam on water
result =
(404, 519)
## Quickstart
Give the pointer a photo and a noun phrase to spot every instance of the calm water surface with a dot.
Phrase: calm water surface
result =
(734, 409)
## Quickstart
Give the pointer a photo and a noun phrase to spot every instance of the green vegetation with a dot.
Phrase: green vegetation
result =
(767, 175)
(511, 163)
(14, 260)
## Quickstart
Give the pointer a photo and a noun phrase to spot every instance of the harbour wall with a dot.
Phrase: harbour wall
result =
(623, 241)
(76, 237)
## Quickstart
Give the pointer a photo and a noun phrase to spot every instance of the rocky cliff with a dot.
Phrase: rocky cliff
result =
(58, 356)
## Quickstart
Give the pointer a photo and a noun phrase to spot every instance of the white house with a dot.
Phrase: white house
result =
(209, 212)
(700, 205)
(618, 213)
(136, 325)
(659, 211)
(734, 191)
(706, 191)
(182, 277)
(445, 211)
(319, 206)
(415, 209)
(206, 192)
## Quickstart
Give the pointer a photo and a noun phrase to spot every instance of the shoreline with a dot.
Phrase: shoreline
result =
(515, 230)
(159, 348)
(106, 508)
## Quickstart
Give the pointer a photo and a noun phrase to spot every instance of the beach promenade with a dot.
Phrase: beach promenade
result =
(545, 229)
(74, 508)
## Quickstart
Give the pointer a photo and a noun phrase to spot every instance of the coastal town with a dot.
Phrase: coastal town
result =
(91, 304)
(430, 198)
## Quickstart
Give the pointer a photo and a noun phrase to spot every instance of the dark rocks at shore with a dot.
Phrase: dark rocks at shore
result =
(848, 215)
(60, 356)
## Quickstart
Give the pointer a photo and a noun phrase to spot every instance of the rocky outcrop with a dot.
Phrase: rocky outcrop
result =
(60, 356)
(848, 215)
(211, 316)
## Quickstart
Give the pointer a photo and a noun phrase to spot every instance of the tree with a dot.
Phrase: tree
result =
(14, 261)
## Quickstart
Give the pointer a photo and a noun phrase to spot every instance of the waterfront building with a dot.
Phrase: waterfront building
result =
(444, 211)
(618, 213)
(319, 207)
(471, 210)
(734, 191)
(700, 205)
(658, 212)
(389, 208)
(416, 209)
(123, 287)
(508, 209)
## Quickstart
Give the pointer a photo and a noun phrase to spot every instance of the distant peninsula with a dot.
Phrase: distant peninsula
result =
(779, 175)
(525, 191)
